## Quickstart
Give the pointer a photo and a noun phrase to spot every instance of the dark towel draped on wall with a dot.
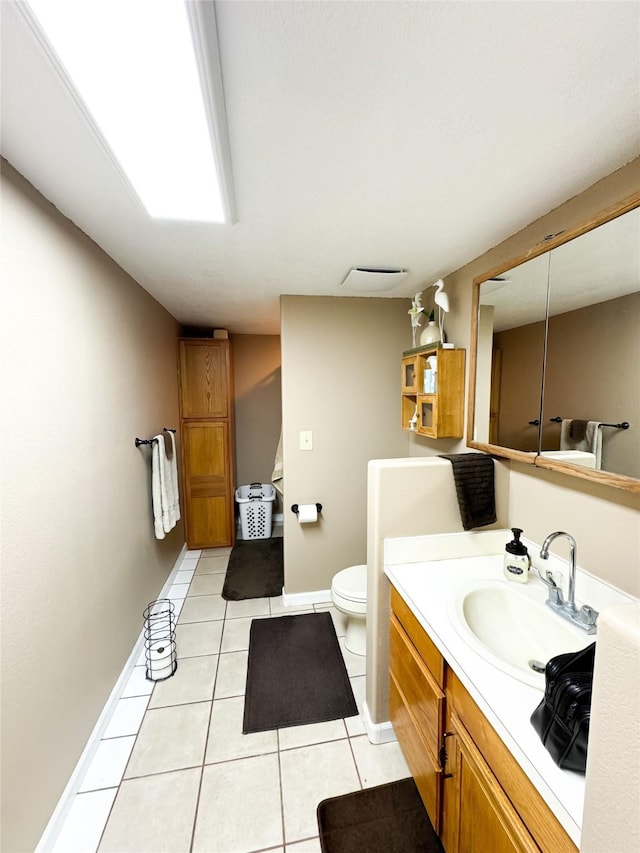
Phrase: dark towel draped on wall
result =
(473, 476)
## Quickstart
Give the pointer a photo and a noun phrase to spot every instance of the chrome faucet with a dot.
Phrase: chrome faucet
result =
(586, 617)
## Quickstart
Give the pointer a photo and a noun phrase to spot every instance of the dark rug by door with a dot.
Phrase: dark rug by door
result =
(255, 569)
(296, 674)
(387, 819)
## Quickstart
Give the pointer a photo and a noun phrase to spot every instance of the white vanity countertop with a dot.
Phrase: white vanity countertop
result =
(428, 586)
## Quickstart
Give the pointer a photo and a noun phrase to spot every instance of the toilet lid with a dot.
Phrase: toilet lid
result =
(351, 583)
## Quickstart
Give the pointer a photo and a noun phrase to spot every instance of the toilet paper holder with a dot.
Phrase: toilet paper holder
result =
(294, 508)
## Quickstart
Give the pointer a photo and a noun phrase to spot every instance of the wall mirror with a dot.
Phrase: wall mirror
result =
(555, 343)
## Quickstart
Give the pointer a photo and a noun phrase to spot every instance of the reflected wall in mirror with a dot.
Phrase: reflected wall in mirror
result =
(510, 353)
(556, 342)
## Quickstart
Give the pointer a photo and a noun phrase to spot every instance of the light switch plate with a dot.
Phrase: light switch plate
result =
(306, 439)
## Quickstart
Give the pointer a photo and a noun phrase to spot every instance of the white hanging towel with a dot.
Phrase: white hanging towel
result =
(582, 435)
(162, 492)
(173, 473)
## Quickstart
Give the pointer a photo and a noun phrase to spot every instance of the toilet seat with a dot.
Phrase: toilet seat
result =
(349, 589)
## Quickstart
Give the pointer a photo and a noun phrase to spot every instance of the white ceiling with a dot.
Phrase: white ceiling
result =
(379, 134)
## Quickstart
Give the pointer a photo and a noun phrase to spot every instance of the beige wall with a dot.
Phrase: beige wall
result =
(520, 383)
(258, 406)
(340, 379)
(89, 363)
(597, 382)
(407, 497)
(539, 500)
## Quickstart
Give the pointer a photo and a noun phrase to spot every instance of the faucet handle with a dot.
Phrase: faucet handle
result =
(588, 615)
(552, 580)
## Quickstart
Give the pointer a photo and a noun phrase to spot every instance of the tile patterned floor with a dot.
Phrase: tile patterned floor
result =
(173, 771)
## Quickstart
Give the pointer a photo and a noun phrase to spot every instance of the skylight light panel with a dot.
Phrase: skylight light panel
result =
(132, 62)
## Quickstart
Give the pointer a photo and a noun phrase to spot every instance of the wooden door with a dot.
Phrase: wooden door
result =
(204, 378)
(208, 484)
(477, 814)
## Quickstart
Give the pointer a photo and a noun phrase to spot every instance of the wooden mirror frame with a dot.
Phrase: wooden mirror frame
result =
(619, 481)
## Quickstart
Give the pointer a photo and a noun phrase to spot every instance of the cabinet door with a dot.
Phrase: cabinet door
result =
(204, 378)
(209, 506)
(477, 814)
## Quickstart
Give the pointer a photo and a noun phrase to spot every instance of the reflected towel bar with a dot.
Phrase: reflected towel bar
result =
(140, 441)
(622, 425)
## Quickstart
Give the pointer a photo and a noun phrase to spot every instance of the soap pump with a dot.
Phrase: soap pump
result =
(516, 559)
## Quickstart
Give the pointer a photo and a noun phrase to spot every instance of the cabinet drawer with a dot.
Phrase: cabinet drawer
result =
(422, 695)
(418, 636)
(424, 770)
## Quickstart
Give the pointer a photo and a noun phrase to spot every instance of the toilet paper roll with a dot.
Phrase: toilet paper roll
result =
(307, 513)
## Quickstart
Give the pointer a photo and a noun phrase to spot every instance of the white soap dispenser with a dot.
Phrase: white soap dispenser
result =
(516, 559)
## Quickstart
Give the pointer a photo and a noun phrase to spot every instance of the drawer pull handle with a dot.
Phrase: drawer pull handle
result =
(443, 754)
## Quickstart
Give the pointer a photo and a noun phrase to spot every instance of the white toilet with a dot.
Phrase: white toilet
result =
(349, 596)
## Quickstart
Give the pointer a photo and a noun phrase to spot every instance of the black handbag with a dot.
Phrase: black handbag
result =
(562, 718)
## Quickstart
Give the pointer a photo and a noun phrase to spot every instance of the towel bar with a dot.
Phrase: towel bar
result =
(621, 425)
(140, 441)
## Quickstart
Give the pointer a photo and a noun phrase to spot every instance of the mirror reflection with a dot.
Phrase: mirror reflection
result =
(581, 299)
(511, 328)
(592, 374)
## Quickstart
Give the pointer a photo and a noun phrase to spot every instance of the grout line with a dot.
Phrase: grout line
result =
(206, 740)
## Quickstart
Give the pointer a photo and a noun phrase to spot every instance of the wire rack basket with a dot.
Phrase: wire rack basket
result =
(160, 640)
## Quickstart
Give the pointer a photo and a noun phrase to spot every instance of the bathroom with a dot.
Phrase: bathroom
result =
(78, 561)
(62, 547)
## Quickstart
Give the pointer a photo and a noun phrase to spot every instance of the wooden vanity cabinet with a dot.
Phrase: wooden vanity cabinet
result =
(416, 699)
(440, 413)
(206, 427)
(477, 796)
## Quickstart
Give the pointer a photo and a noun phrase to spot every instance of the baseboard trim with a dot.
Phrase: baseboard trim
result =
(61, 811)
(377, 732)
(301, 599)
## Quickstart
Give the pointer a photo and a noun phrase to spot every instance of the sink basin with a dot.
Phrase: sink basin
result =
(512, 628)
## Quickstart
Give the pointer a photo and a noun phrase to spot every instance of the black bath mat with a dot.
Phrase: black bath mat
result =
(387, 819)
(255, 570)
(296, 674)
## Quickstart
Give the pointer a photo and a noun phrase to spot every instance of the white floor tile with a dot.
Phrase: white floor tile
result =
(203, 608)
(310, 775)
(355, 725)
(379, 763)
(153, 813)
(226, 741)
(249, 607)
(212, 566)
(232, 675)
(356, 664)
(310, 845)
(278, 608)
(170, 739)
(239, 807)
(235, 635)
(242, 774)
(296, 736)
(85, 822)
(195, 552)
(107, 766)
(216, 552)
(206, 585)
(127, 717)
(192, 681)
(198, 638)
